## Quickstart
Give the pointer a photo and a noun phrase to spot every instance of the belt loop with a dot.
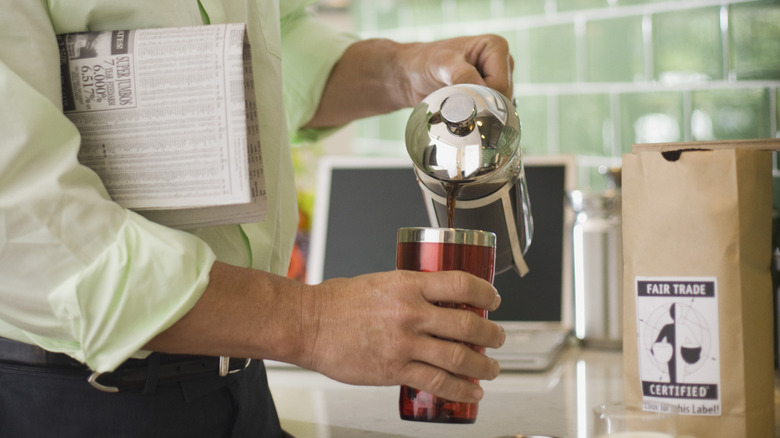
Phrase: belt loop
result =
(152, 374)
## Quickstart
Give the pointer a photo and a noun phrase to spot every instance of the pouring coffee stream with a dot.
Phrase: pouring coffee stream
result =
(464, 141)
(452, 200)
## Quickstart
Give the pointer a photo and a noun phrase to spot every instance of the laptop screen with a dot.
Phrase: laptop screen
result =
(361, 203)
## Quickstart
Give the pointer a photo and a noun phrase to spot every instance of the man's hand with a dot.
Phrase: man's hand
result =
(482, 60)
(379, 76)
(384, 329)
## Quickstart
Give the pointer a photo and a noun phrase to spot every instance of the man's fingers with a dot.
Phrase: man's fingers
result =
(456, 287)
(456, 358)
(464, 325)
(502, 80)
(426, 378)
(490, 55)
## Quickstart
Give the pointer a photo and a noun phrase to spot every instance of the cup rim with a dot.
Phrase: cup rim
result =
(446, 235)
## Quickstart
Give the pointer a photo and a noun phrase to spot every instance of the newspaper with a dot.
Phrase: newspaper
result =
(168, 121)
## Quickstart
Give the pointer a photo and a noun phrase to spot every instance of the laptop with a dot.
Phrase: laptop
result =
(361, 203)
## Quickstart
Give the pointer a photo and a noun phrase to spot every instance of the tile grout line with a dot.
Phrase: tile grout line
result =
(617, 125)
(687, 115)
(553, 125)
(725, 44)
(774, 130)
(647, 43)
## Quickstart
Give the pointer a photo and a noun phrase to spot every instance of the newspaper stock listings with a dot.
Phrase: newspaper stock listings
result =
(168, 121)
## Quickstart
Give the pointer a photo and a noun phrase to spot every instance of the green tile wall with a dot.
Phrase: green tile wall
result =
(754, 31)
(524, 7)
(574, 5)
(651, 118)
(730, 114)
(532, 111)
(586, 124)
(553, 50)
(603, 65)
(421, 13)
(472, 10)
(688, 42)
(777, 113)
(636, 2)
(593, 77)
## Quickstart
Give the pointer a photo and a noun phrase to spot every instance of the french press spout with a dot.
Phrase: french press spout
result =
(464, 141)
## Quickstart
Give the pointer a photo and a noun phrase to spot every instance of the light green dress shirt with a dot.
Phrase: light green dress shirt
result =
(78, 273)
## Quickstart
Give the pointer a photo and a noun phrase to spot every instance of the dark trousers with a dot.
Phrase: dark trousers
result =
(41, 403)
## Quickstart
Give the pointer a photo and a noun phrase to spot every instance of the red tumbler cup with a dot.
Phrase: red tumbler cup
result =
(444, 249)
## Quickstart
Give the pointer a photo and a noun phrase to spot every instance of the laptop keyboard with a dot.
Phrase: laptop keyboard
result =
(518, 335)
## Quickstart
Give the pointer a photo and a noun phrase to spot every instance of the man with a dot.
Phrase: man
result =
(89, 289)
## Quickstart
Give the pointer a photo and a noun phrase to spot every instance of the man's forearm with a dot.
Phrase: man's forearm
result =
(365, 82)
(242, 313)
(380, 76)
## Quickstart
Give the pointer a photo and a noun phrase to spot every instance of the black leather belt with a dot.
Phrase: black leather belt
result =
(133, 373)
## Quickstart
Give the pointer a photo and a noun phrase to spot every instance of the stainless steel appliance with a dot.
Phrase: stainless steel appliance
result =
(598, 264)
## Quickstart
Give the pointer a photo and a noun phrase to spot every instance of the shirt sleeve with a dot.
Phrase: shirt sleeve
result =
(311, 48)
(80, 274)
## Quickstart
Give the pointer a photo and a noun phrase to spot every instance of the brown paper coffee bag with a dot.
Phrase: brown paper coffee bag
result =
(698, 320)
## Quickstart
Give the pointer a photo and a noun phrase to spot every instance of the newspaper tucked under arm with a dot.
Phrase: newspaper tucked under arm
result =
(168, 121)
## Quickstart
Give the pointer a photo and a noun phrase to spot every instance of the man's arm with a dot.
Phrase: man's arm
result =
(379, 76)
(375, 329)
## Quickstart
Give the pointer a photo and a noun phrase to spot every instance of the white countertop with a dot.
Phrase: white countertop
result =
(557, 402)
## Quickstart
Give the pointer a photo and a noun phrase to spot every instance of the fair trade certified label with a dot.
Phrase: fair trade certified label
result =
(678, 343)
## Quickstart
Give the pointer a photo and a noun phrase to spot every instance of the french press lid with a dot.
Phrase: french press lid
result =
(464, 133)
